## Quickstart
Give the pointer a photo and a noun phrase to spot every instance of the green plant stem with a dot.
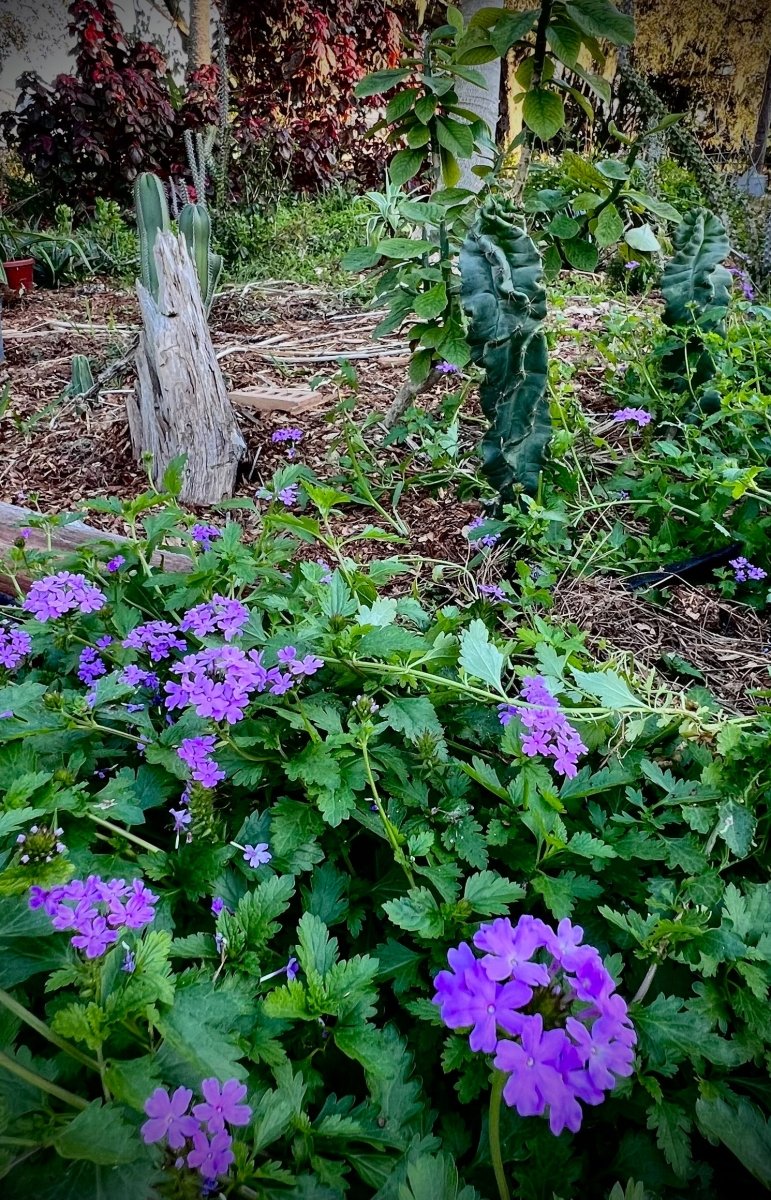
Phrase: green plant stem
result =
(124, 833)
(390, 831)
(642, 990)
(44, 1085)
(45, 1030)
(494, 1133)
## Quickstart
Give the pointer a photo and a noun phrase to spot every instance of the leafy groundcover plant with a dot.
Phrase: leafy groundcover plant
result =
(316, 886)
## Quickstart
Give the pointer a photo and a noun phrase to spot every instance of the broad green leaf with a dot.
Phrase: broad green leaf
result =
(608, 687)
(511, 27)
(478, 656)
(601, 19)
(431, 303)
(404, 248)
(543, 112)
(736, 826)
(611, 168)
(379, 82)
(642, 238)
(405, 164)
(743, 1129)
(361, 258)
(659, 208)
(417, 912)
(565, 42)
(101, 1134)
(562, 226)
(581, 254)
(412, 716)
(610, 226)
(400, 104)
(455, 137)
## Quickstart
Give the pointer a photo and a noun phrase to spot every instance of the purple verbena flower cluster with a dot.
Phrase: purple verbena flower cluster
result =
(547, 1008)
(196, 752)
(447, 368)
(15, 644)
(293, 436)
(115, 564)
(744, 282)
(218, 615)
(744, 571)
(91, 665)
(62, 593)
(487, 539)
(548, 730)
(204, 535)
(159, 639)
(309, 665)
(202, 1134)
(136, 677)
(640, 416)
(218, 682)
(96, 909)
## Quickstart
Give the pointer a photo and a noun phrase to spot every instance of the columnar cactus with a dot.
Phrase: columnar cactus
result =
(194, 223)
(152, 217)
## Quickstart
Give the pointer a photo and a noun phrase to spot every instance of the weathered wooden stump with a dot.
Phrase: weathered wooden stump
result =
(180, 404)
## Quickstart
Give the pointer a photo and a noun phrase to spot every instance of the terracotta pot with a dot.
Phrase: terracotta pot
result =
(18, 272)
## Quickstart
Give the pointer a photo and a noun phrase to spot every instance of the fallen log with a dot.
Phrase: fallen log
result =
(65, 539)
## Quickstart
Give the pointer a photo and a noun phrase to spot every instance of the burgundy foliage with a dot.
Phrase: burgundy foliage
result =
(295, 70)
(92, 132)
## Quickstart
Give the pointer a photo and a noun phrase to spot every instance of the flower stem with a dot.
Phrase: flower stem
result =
(642, 990)
(45, 1030)
(388, 826)
(124, 833)
(15, 1068)
(494, 1133)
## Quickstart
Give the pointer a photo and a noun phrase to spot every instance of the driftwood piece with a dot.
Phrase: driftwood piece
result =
(181, 405)
(65, 539)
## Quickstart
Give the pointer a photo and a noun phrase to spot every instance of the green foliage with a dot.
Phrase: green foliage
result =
(695, 284)
(152, 214)
(399, 814)
(505, 302)
(81, 375)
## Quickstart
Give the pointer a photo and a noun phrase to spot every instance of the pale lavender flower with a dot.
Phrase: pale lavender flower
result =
(292, 969)
(129, 964)
(182, 818)
(218, 615)
(327, 576)
(196, 753)
(257, 856)
(640, 416)
(212, 1158)
(159, 639)
(491, 591)
(218, 906)
(25, 533)
(630, 266)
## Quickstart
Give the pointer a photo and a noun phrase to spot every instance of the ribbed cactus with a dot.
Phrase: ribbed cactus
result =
(152, 217)
(194, 223)
(82, 378)
(505, 301)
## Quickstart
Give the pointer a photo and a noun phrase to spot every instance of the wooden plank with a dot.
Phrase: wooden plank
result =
(274, 399)
(65, 540)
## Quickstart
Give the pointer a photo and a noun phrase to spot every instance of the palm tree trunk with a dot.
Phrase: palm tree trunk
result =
(484, 101)
(199, 40)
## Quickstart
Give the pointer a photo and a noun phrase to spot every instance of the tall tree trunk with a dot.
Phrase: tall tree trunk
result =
(483, 101)
(199, 39)
(764, 120)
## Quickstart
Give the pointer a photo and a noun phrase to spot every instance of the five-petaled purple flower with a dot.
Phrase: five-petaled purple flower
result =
(222, 1105)
(545, 1005)
(116, 563)
(218, 615)
(485, 539)
(640, 416)
(196, 752)
(257, 856)
(491, 591)
(169, 1117)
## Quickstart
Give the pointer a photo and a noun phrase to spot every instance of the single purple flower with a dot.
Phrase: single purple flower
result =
(129, 964)
(257, 856)
(486, 539)
(292, 969)
(115, 563)
(212, 1158)
(640, 416)
(223, 1105)
(25, 533)
(204, 535)
(182, 818)
(630, 266)
(169, 1118)
(491, 591)
(218, 906)
(447, 368)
